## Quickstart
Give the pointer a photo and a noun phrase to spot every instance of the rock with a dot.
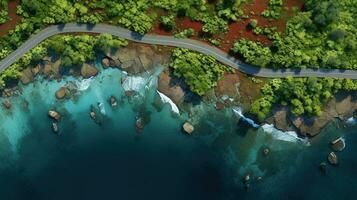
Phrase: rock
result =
(266, 151)
(188, 128)
(355, 113)
(139, 124)
(280, 120)
(113, 101)
(332, 158)
(7, 92)
(26, 76)
(338, 144)
(259, 178)
(246, 178)
(322, 167)
(61, 93)
(220, 106)
(297, 121)
(105, 62)
(88, 70)
(93, 115)
(55, 127)
(7, 104)
(36, 69)
(54, 115)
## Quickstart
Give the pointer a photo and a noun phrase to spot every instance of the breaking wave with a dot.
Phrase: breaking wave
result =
(83, 84)
(239, 113)
(166, 99)
(288, 136)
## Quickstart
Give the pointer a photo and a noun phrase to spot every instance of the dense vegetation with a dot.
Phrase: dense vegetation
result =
(274, 9)
(73, 50)
(323, 35)
(4, 15)
(302, 95)
(200, 72)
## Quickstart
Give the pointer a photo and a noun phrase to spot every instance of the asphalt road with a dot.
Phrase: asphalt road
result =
(170, 41)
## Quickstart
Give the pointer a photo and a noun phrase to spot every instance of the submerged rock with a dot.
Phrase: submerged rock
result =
(188, 128)
(54, 115)
(7, 104)
(322, 167)
(61, 93)
(139, 123)
(266, 151)
(332, 158)
(338, 144)
(55, 127)
(113, 102)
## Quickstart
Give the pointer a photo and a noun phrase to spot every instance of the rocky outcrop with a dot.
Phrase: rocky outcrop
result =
(54, 115)
(188, 128)
(341, 107)
(135, 58)
(338, 144)
(88, 70)
(52, 69)
(106, 62)
(171, 87)
(7, 104)
(26, 76)
(61, 93)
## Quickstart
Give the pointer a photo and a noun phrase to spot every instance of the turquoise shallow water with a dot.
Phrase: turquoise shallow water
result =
(115, 161)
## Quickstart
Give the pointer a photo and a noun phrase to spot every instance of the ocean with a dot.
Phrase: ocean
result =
(115, 160)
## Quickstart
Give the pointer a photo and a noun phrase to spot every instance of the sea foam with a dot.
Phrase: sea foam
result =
(239, 113)
(288, 136)
(166, 99)
(83, 84)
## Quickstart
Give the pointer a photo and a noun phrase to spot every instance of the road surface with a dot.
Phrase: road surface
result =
(170, 41)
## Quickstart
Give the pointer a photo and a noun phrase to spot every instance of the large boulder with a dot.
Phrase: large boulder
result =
(188, 128)
(332, 158)
(338, 144)
(106, 62)
(61, 93)
(88, 70)
(27, 76)
(7, 104)
(54, 115)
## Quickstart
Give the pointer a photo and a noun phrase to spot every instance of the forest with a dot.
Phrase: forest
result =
(4, 11)
(200, 72)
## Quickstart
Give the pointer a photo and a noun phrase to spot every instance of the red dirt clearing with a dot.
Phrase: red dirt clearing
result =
(238, 30)
(14, 18)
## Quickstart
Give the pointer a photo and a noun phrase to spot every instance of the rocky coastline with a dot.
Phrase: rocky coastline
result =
(234, 89)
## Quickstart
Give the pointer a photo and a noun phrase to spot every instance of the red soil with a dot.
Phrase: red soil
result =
(238, 30)
(14, 18)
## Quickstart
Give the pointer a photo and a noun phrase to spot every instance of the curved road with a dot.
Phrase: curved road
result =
(170, 41)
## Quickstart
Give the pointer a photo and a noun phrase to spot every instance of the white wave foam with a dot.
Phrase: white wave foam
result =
(351, 120)
(288, 136)
(135, 83)
(238, 112)
(101, 108)
(83, 84)
(166, 99)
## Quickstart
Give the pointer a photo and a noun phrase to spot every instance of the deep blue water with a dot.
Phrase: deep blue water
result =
(115, 161)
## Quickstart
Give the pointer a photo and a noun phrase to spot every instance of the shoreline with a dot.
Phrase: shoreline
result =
(232, 90)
